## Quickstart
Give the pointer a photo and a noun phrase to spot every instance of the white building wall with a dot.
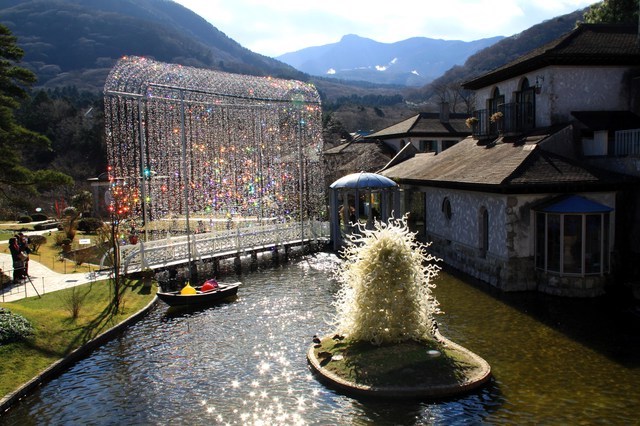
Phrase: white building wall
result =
(397, 143)
(465, 223)
(566, 89)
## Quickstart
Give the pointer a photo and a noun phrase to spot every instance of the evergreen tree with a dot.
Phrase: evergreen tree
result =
(16, 180)
(613, 12)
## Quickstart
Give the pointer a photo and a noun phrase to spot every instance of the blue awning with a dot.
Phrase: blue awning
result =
(575, 204)
(363, 180)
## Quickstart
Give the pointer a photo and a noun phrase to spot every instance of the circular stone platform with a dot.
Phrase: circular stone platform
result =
(457, 380)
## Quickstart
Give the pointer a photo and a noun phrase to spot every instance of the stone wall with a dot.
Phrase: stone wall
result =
(587, 286)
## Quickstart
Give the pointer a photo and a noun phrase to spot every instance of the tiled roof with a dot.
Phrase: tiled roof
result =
(588, 44)
(503, 166)
(425, 124)
(608, 120)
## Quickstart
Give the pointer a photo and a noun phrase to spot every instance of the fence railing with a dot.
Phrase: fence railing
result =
(627, 142)
(173, 250)
(515, 118)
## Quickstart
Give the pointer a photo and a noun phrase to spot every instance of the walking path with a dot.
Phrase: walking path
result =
(43, 280)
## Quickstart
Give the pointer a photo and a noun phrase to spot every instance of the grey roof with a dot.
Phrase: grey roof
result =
(507, 165)
(425, 124)
(608, 120)
(588, 44)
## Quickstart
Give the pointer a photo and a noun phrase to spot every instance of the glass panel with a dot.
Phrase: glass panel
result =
(428, 146)
(593, 244)
(553, 242)
(572, 249)
(540, 237)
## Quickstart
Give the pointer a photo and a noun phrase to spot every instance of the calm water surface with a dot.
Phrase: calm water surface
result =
(554, 360)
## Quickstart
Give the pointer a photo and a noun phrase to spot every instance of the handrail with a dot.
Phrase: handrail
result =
(162, 252)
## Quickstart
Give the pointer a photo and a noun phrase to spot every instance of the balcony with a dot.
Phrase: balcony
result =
(627, 143)
(516, 119)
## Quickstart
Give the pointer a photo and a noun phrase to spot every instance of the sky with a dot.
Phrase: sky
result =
(275, 27)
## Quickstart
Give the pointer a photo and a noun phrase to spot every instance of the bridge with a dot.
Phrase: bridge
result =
(238, 242)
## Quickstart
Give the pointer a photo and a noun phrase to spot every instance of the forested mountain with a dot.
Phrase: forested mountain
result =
(412, 62)
(76, 42)
(500, 53)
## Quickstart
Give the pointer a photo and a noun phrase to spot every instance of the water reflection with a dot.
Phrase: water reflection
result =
(555, 361)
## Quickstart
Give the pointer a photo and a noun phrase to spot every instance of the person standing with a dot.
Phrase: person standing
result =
(23, 243)
(17, 257)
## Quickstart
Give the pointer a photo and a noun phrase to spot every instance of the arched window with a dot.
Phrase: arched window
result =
(496, 111)
(525, 106)
(572, 237)
(446, 208)
(484, 229)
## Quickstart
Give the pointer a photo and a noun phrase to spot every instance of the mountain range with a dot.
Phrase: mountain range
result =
(76, 42)
(412, 62)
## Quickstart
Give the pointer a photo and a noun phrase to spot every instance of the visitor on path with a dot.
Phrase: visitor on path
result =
(18, 259)
(23, 243)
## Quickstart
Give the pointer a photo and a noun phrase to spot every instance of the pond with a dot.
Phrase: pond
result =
(554, 360)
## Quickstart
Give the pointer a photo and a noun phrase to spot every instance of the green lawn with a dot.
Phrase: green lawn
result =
(57, 333)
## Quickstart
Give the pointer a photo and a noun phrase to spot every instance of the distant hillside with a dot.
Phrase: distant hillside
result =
(412, 62)
(501, 53)
(76, 42)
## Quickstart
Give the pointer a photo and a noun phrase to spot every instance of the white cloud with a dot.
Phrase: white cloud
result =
(276, 27)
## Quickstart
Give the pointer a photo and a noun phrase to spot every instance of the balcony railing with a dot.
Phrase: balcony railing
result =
(516, 118)
(627, 142)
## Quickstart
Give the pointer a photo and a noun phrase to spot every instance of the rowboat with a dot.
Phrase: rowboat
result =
(199, 298)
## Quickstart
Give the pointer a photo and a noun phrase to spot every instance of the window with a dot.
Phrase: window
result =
(573, 242)
(446, 208)
(495, 105)
(428, 146)
(525, 107)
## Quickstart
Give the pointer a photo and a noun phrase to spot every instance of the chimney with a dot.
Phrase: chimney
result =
(444, 112)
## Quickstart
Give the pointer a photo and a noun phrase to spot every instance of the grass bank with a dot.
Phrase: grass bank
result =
(57, 332)
(49, 254)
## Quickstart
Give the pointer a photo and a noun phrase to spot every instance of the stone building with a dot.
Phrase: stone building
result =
(542, 195)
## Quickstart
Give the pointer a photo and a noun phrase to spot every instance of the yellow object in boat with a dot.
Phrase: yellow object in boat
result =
(187, 289)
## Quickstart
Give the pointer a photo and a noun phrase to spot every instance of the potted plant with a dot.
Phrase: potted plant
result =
(471, 122)
(496, 117)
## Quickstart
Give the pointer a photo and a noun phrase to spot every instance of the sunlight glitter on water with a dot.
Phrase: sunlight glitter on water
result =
(587, 374)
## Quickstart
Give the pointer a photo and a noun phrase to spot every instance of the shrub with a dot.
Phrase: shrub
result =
(13, 327)
(46, 225)
(35, 241)
(73, 301)
(25, 219)
(59, 238)
(89, 224)
(39, 217)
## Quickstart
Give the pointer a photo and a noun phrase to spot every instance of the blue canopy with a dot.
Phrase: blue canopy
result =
(363, 180)
(575, 204)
